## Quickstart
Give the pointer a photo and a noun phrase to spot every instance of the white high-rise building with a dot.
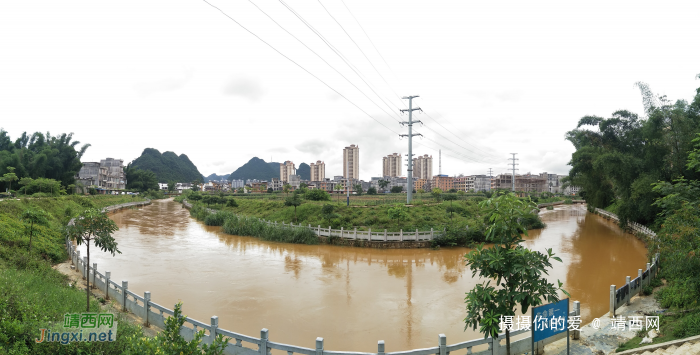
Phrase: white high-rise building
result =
(423, 167)
(351, 156)
(286, 170)
(318, 171)
(392, 165)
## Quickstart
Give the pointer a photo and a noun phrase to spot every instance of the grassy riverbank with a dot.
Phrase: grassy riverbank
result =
(457, 223)
(33, 294)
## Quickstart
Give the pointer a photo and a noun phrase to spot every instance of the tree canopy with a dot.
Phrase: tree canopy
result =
(40, 155)
(618, 158)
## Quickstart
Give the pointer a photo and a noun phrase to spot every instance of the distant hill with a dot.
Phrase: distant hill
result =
(256, 168)
(304, 171)
(214, 177)
(167, 166)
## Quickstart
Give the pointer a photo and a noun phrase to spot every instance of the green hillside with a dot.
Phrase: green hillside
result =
(256, 168)
(167, 166)
(214, 177)
(304, 171)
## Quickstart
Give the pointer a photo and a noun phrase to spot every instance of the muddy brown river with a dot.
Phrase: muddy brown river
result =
(352, 297)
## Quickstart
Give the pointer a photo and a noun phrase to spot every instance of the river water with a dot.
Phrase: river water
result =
(352, 297)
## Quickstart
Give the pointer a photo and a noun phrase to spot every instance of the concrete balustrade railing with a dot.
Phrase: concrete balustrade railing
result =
(634, 226)
(354, 234)
(621, 296)
(155, 314)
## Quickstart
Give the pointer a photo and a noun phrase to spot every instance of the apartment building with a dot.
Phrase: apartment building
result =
(392, 165)
(443, 182)
(526, 182)
(286, 170)
(318, 171)
(423, 167)
(463, 183)
(351, 162)
(108, 174)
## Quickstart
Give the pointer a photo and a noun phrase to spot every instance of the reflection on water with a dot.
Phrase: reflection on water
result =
(352, 297)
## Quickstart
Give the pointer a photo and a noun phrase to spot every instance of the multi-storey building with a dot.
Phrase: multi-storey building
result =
(481, 183)
(275, 184)
(443, 182)
(423, 167)
(318, 171)
(351, 162)
(237, 183)
(420, 184)
(392, 165)
(108, 174)
(286, 170)
(463, 183)
(524, 183)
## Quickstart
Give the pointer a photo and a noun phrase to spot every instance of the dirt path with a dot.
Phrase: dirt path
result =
(74, 277)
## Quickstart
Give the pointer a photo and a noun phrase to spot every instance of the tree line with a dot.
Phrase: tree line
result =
(39, 156)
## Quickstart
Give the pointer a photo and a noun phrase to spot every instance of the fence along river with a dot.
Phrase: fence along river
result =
(351, 297)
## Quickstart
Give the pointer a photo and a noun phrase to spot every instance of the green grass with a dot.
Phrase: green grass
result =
(32, 294)
(672, 327)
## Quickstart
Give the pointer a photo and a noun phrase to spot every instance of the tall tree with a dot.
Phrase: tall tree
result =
(516, 270)
(92, 225)
(33, 216)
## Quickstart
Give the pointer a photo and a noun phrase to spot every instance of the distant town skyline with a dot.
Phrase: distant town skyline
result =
(493, 78)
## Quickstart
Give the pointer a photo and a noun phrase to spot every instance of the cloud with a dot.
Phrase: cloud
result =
(313, 146)
(244, 87)
(169, 84)
(218, 163)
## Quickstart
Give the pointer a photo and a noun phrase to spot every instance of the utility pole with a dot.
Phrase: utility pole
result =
(409, 193)
(490, 174)
(514, 169)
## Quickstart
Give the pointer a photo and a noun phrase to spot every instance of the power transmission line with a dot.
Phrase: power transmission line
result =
(320, 57)
(335, 50)
(514, 169)
(297, 64)
(360, 49)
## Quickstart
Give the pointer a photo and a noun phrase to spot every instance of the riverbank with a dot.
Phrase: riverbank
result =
(35, 295)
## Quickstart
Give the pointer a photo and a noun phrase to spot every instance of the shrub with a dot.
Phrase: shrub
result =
(240, 225)
(317, 195)
(217, 219)
(678, 294)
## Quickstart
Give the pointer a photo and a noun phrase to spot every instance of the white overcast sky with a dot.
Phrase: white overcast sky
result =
(499, 77)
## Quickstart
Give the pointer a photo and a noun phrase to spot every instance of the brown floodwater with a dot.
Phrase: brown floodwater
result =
(352, 297)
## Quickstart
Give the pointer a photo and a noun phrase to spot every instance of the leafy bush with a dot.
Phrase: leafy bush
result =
(231, 203)
(317, 195)
(678, 294)
(688, 326)
(217, 219)
(396, 189)
(239, 225)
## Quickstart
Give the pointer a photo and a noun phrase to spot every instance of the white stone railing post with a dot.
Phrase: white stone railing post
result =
(263, 341)
(385, 235)
(443, 344)
(416, 234)
(629, 290)
(318, 230)
(214, 326)
(94, 274)
(612, 301)
(147, 305)
(319, 346)
(431, 234)
(86, 269)
(125, 287)
(354, 235)
(380, 347)
(369, 234)
(108, 276)
(641, 282)
(341, 232)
